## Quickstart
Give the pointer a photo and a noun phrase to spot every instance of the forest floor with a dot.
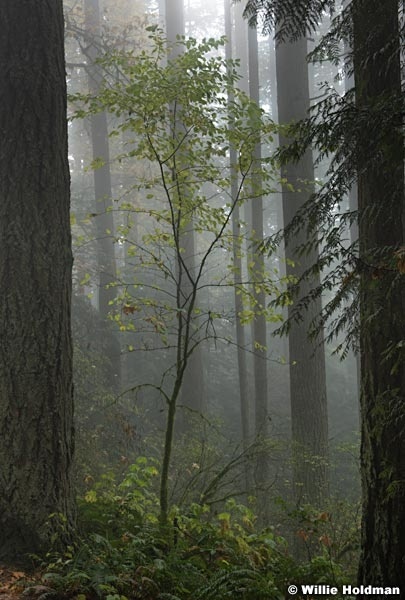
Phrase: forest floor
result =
(8, 579)
(11, 587)
(16, 583)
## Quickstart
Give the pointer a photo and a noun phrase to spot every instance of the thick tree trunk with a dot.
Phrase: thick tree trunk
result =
(382, 310)
(309, 417)
(36, 406)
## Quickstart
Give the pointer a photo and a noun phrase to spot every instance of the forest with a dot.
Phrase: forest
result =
(202, 319)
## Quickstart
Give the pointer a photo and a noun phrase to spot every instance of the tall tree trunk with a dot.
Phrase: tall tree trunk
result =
(309, 418)
(259, 328)
(36, 408)
(102, 189)
(247, 52)
(382, 301)
(237, 264)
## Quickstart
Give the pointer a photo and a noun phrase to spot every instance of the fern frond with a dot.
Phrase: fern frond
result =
(291, 19)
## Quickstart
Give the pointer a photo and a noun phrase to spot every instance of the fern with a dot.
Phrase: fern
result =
(245, 584)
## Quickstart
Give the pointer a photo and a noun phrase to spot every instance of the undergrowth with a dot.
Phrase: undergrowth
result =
(121, 553)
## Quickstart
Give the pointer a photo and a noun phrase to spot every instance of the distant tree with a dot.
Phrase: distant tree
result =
(103, 201)
(309, 414)
(91, 28)
(257, 274)
(36, 408)
(192, 392)
(101, 152)
(363, 133)
(244, 395)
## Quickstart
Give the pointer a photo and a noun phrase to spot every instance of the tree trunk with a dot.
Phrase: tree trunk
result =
(237, 264)
(309, 417)
(103, 206)
(259, 327)
(36, 408)
(382, 301)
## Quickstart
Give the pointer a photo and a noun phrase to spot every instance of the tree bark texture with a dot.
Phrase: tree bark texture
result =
(382, 296)
(36, 405)
(309, 417)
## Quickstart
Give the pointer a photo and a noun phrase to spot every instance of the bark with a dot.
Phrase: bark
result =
(309, 418)
(382, 301)
(36, 408)
(103, 204)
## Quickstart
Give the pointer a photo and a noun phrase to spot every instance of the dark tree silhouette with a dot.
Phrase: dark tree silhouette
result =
(36, 404)
(363, 134)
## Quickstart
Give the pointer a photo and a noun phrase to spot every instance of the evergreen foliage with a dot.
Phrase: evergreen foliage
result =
(291, 19)
(340, 131)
